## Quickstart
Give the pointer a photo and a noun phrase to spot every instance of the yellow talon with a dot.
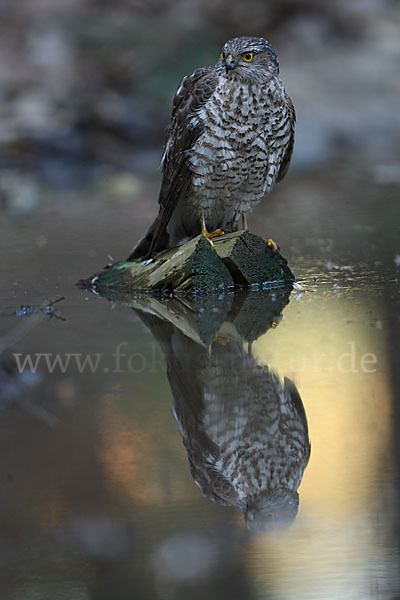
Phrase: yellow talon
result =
(276, 322)
(221, 340)
(273, 245)
(215, 233)
(206, 233)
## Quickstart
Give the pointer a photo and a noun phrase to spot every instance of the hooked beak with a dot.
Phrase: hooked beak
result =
(229, 63)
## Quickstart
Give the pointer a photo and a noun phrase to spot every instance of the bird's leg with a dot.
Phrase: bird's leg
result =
(244, 221)
(206, 233)
(203, 226)
(272, 245)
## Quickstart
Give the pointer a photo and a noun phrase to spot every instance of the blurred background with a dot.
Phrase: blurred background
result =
(86, 85)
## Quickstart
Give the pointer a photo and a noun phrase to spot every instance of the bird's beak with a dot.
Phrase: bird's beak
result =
(229, 63)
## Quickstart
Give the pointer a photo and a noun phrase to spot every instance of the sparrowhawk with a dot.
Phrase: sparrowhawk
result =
(230, 139)
(245, 433)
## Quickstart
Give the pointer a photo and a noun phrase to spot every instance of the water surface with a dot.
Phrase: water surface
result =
(98, 499)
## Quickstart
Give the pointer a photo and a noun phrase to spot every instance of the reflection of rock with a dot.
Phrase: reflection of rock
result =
(241, 316)
(245, 434)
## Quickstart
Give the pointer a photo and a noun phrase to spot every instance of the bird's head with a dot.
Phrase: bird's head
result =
(248, 59)
(271, 509)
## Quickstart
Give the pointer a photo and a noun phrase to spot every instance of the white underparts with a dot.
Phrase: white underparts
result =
(237, 157)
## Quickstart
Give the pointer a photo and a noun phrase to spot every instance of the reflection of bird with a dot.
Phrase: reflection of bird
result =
(258, 437)
(230, 139)
(245, 434)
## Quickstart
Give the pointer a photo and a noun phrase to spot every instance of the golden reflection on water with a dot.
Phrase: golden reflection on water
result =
(139, 464)
(335, 352)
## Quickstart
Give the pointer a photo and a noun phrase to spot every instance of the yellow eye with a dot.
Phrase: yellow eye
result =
(248, 56)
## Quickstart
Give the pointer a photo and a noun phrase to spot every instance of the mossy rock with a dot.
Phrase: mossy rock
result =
(236, 260)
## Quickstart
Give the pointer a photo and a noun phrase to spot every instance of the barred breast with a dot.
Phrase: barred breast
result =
(261, 440)
(236, 159)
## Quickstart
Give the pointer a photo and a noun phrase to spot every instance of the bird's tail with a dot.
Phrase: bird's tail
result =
(154, 241)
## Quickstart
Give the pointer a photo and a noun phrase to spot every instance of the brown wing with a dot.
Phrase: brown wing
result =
(289, 148)
(184, 130)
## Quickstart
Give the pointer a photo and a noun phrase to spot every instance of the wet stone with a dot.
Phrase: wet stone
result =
(236, 260)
